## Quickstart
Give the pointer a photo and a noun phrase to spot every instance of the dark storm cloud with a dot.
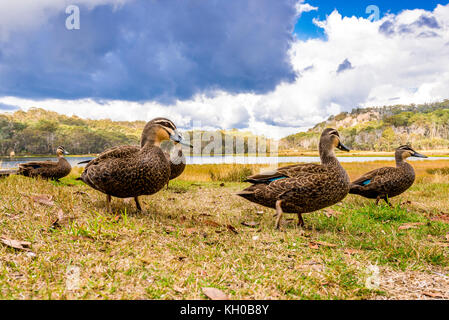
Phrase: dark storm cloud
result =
(153, 50)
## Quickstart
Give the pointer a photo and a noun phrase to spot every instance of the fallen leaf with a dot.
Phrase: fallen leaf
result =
(44, 199)
(442, 244)
(16, 244)
(179, 289)
(215, 294)
(191, 230)
(332, 213)
(81, 193)
(211, 223)
(76, 238)
(169, 229)
(232, 229)
(441, 218)
(59, 220)
(407, 226)
(433, 295)
(352, 251)
(313, 246)
(324, 244)
(251, 224)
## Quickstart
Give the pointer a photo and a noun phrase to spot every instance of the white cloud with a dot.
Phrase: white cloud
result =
(397, 67)
(304, 7)
(20, 15)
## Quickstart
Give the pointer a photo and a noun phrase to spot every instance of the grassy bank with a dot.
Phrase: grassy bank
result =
(194, 235)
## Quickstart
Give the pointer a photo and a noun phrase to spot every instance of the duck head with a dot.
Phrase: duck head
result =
(60, 151)
(330, 139)
(406, 151)
(161, 129)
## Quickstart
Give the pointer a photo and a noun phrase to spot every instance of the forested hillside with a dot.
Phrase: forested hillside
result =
(40, 132)
(383, 129)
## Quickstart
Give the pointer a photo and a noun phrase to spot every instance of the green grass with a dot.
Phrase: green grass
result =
(172, 250)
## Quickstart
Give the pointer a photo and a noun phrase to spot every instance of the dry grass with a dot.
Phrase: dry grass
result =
(182, 242)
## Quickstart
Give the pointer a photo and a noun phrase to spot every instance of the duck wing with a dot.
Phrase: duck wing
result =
(38, 164)
(293, 171)
(374, 178)
(114, 152)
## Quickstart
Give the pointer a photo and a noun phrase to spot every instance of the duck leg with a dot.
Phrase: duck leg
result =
(279, 213)
(300, 220)
(139, 208)
(108, 203)
(377, 200)
(388, 202)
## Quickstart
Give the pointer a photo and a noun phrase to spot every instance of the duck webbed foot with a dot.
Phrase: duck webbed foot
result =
(385, 198)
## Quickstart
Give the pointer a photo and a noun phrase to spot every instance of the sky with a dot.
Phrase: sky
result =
(270, 67)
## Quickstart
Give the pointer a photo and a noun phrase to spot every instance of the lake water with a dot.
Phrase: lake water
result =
(6, 163)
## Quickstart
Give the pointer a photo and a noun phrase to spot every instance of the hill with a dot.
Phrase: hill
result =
(40, 132)
(382, 129)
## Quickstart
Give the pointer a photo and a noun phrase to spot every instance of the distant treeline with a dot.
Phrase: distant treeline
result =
(383, 129)
(40, 132)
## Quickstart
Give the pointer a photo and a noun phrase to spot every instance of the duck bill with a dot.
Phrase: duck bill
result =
(176, 137)
(419, 155)
(342, 147)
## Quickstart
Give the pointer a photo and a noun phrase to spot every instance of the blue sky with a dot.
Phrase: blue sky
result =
(222, 63)
(306, 29)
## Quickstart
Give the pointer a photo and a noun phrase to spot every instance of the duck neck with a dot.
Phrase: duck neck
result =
(327, 156)
(402, 163)
(151, 143)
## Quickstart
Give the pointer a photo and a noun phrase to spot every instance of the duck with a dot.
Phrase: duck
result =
(176, 158)
(131, 171)
(303, 188)
(51, 170)
(388, 182)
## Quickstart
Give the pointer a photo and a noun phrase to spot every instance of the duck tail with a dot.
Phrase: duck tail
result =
(354, 189)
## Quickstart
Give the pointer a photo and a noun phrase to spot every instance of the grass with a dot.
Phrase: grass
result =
(183, 242)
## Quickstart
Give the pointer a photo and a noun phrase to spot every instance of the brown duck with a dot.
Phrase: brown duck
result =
(129, 171)
(176, 158)
(388, 182)
(303, 188)
(47, 169)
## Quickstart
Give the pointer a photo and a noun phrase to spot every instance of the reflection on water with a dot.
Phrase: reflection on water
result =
(13, 163)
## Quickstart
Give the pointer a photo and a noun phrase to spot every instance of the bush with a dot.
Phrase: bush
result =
(235, 174)
(442, 171)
